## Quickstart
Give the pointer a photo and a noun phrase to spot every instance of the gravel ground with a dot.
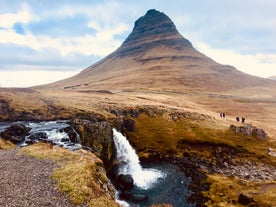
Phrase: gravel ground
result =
(26, 182)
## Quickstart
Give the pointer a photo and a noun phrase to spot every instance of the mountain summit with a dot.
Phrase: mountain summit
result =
(156, 57)
(153, 29)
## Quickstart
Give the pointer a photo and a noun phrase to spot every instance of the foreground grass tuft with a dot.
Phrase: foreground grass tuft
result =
(80, 174)
(6, 144)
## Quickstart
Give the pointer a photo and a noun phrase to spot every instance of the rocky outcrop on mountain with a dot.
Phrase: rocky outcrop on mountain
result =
(154, 26)
(249, 130)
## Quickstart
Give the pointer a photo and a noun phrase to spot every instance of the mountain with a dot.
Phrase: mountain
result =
(272, 78)
(155, 56)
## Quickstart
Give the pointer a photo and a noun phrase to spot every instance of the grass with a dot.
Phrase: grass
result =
(80, 174)
(5, 145)
(162, 134)
(224, 191)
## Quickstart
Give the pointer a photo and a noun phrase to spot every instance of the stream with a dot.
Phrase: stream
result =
(50, 131)
(160, 182)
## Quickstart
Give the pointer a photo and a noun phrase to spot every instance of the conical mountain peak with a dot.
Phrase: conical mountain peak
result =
(154, 23)
(154, 28)
(156, 57)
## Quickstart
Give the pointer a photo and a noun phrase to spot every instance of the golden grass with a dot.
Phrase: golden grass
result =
(225, 191)
(162, 134)
(80, 174)
(267, 198)
(4, 145)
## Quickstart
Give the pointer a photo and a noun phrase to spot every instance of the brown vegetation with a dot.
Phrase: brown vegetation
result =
(4, 144)
(81, 174)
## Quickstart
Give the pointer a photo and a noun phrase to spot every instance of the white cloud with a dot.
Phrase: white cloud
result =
(102, 42)
(263, 65)
(7, 20)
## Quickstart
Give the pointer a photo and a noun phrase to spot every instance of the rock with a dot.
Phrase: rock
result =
(16, 133)
(186, 154)
(97, 135)
(129, 125)
(65, 140)
(73, 135)
(38, 136)
(249, 130)
(244, 199)
(125, 196)
(125, 182)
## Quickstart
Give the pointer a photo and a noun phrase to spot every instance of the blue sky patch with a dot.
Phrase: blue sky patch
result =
(18, 27)
(59, 27)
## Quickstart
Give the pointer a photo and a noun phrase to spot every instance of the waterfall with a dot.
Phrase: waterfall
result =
(129, 163)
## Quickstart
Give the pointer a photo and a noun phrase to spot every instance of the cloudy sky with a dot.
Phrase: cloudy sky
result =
(42, 41)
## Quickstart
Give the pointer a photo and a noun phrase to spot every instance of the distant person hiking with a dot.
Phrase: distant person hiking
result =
(222, 115)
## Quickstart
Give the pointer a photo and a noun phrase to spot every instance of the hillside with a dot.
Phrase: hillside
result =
(156, 57)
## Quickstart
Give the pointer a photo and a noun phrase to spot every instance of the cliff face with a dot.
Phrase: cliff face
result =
(97, 135)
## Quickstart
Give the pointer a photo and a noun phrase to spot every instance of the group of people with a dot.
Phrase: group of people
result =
(238, 119)
(222, 115)
(242, 119)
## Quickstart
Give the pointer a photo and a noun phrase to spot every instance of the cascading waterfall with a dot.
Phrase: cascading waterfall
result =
(129, 163)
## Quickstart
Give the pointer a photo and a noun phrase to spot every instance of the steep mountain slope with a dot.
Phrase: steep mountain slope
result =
(155, 56)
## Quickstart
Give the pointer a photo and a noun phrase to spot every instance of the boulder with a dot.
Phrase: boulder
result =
(38, 136)
(125, 182)
(73, 135)
(16, 133)
(244, 199)
(249, 130)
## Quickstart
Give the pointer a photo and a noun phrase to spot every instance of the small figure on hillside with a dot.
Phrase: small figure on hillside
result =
(220, 114)
(243, 120)
(238, 119)
(223, 115)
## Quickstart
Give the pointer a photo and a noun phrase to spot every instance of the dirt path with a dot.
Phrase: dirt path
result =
(26, 182)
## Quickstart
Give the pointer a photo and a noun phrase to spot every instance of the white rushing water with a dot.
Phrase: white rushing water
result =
(129, 163)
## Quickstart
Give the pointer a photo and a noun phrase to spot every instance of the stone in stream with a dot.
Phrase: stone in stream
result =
(16, 133)
(125, 182)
